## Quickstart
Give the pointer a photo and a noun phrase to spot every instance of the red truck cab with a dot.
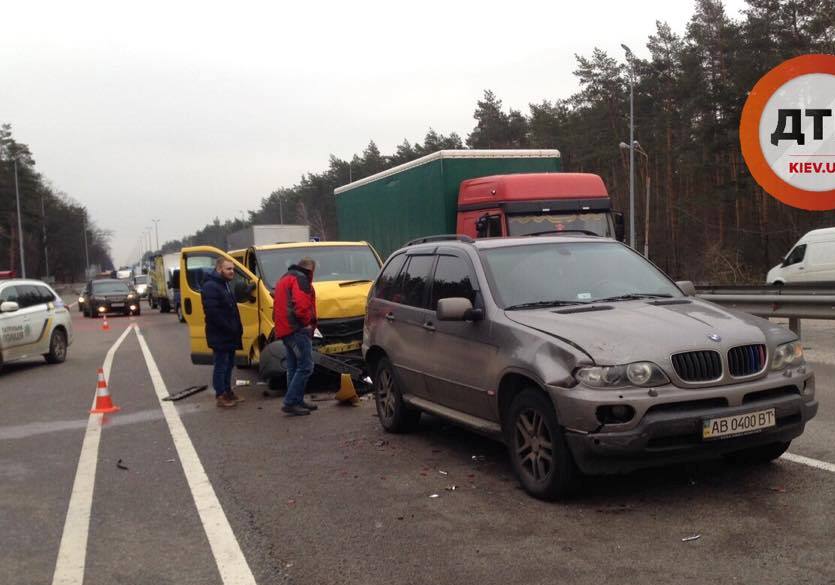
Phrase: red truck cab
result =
(533, 203)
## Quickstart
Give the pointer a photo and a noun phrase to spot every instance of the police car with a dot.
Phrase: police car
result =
(33, 321)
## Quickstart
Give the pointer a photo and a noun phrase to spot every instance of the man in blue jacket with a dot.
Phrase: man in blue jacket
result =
(223, 329)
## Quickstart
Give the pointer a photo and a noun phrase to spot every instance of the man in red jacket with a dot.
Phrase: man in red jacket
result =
(294, 315)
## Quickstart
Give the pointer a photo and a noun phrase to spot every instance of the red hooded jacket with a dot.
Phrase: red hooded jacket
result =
(294, 306)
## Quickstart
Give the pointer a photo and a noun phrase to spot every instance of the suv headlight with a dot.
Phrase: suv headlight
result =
(788, 354)
(634, 374)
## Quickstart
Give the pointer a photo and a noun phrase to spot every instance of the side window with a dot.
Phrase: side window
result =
(45, 294)
(9, 294)
(452, 279)
(414, 278)
(489, 226)
(198, 266)
(28, 296)
(795, 255)
(386, 288)
(239, 286)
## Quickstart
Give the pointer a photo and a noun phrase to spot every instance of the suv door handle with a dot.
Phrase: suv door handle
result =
(389, 316)
(429, 326)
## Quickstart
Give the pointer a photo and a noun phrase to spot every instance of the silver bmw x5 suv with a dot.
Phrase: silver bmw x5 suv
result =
(580, 355)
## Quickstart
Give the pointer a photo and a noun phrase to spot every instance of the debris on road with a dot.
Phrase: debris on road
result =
(778, 489)
(191, 390)
(442, 472)
(243, 382)
(691, 538)
(451, 488)
(381, 443)
(121, 465)
(478, 458)
(434, 496)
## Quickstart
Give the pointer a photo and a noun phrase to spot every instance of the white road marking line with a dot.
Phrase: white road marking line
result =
(231, 563)
(72, 552)
(816, 463)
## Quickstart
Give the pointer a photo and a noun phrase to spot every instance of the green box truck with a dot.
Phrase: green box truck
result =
(480, 193)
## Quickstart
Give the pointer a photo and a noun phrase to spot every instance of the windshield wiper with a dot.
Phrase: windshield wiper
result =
(633, 296)
(540, 304)
(351, 282)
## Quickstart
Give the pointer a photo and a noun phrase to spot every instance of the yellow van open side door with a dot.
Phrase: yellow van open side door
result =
(195, 265)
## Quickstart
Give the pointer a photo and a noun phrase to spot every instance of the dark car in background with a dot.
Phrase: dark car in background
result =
(110, 295)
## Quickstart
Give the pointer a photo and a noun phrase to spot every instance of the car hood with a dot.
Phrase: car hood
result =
(628, 331)
(339, 302)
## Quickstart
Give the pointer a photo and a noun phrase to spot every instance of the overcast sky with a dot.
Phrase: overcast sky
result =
(185, 111)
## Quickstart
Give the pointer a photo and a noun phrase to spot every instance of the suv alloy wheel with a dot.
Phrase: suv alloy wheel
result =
(395, 415)
(538, 450)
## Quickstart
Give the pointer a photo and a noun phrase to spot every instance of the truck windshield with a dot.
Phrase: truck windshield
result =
(332, 263)
(522, 225)
(572, 273)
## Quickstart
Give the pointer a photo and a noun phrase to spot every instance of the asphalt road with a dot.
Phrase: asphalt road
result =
(330, 498)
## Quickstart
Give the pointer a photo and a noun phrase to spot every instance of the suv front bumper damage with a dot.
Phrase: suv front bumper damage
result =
(667, 428)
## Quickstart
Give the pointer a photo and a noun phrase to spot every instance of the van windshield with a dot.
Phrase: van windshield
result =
(523, 225)
(572, 273)
(332, 263)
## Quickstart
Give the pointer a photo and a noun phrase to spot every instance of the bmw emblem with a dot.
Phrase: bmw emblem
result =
(714, 337)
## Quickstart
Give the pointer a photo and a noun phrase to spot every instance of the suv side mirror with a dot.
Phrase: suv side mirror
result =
(620, 226)
(9, 307)
(458, 309)
(687, 287)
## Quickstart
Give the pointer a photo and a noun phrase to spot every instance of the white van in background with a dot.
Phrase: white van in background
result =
(812, 259)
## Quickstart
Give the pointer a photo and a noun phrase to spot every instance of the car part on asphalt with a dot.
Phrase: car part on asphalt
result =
(190, 391)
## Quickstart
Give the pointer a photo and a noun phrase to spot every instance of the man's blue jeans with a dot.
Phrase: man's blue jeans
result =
(299, 366)
(223, 361)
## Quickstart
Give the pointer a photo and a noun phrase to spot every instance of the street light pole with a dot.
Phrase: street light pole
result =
(19, 223)
(156, 230)
(86, 251)
(45, 252)
(148, 234)
(647, 179)
(631, 149)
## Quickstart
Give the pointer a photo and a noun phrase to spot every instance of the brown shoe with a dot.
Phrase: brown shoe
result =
(224, 401)
(232, 396)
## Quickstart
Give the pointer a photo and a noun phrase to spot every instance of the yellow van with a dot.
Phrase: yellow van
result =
(343, 277)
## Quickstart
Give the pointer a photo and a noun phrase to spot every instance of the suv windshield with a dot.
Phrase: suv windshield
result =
(110, 287)
(572, 273)
(332, 263)
(522, 225)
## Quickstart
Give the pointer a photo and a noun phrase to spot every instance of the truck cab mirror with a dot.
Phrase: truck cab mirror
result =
(9, 307)
(620, 226)
(458, 309)
(687, 287)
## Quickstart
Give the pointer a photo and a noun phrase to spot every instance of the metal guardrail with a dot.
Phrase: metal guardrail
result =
(812, 300)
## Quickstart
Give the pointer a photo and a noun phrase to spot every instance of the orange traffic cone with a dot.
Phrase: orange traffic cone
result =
(105, 326)
(104, 403)
(347, 394)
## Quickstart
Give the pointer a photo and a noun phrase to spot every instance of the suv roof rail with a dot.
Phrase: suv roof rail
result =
(441, 238)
